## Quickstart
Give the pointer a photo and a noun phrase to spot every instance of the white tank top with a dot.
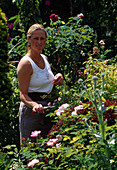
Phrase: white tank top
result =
(41, 79)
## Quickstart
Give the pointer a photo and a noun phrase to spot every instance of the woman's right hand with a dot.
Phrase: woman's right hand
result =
(38, 108)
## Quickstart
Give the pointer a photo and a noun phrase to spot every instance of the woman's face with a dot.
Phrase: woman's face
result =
(37, 40)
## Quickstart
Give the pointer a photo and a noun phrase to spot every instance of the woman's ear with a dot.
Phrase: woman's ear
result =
(28, 38)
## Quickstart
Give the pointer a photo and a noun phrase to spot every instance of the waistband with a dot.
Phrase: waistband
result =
(38, 96)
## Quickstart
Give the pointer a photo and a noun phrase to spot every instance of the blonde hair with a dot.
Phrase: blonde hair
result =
(33, 28)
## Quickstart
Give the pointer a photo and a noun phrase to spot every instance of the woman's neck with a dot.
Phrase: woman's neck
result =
(32, 54)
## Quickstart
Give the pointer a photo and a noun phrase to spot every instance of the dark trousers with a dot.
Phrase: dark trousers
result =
(30, 122)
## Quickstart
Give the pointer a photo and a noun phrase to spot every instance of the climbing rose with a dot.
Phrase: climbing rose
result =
(80, 15)
(35, 133)
(33, 162)
(54, 17)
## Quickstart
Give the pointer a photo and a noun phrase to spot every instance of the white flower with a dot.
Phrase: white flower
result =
(94, 78)
(33, 162)
(58, 145)
(58, 113)
(97, 136)
(112, 142)
(74, 113)
(100, 108)
(80, 107)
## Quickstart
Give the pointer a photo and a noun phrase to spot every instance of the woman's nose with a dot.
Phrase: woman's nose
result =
(39, 41)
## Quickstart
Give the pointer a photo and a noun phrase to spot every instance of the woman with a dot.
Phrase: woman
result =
(36, 81)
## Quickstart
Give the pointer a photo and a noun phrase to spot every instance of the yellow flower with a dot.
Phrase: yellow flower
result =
(111, 161)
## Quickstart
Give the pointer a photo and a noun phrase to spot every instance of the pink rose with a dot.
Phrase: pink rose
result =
(61, 109)
(35, 133)
(80, 15)
(51, 142)
(101, 42)
(33, 162)
(59, 99)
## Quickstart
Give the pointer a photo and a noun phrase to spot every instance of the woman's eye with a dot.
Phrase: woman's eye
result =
(36, 38)
(42, 38)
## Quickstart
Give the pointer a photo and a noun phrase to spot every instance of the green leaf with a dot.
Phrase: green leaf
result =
(74, 139)
(110, 107)
(65, 137)
(51, 161)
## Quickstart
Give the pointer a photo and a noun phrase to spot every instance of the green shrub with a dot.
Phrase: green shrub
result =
(67, 46)
(94, 67)
(5, 84)
(8, 109)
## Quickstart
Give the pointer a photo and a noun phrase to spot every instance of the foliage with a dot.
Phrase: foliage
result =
(95, 67)
(88, 130)
(101, 16)
(5, 85)
(10, 120)
(71, 40)
(80, 140)
(79, 146)
(8, 91)
(67, 46)
(29, 13)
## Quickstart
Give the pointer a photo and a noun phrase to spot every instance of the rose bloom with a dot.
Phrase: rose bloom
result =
(33, 162)
(59, 98)
(101, 42)
(95, 50)
(80, 15)
(61, 109)
(9, 38)
(47, 3)
(51, 142)
(54, 17)
(35, 133)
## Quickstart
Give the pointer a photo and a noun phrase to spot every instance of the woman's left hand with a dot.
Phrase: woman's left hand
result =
(58, 79)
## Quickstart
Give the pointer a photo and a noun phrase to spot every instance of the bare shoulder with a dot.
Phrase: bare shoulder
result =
(24, 66)
(45, 56)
